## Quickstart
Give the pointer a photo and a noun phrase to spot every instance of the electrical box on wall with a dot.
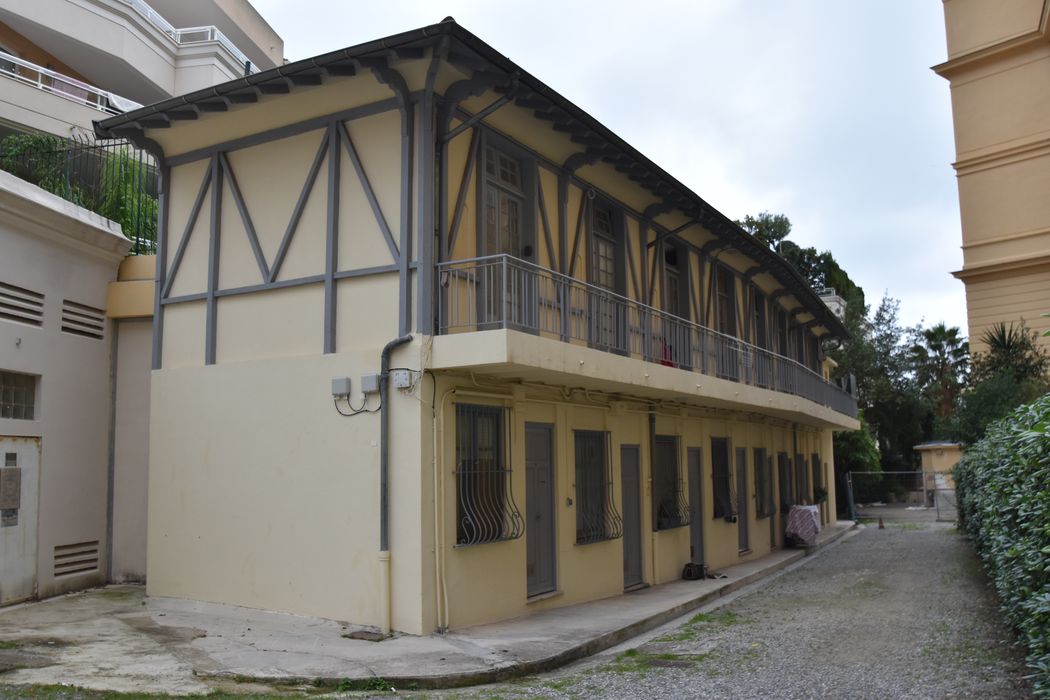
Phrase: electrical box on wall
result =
(401, 378)
(369, 383)
(340, 386)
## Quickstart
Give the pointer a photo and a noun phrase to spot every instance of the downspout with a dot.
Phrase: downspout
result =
(384, 462)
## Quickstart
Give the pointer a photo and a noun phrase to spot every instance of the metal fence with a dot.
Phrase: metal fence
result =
(64, 86)
(501, 291)
(112, 178)
(901, 496)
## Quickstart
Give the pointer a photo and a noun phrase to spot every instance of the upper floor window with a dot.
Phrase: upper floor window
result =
(758, 312)
(603, 249)
(506, 202)
(725, 301)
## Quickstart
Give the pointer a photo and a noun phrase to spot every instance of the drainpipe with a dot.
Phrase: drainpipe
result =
(384, 509)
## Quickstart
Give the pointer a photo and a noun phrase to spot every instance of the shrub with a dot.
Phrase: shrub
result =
(1003, 490)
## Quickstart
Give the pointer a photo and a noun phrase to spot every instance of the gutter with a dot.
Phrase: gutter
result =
(384, 466)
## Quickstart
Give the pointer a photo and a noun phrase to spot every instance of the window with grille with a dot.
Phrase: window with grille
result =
(722, 488)
(485, 508)
(763, 483)
(670, 508)
(17, 395)
(787, 481)
(596, 516)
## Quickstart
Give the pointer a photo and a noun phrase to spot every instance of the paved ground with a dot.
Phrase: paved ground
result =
(899, 612)
(903, 612)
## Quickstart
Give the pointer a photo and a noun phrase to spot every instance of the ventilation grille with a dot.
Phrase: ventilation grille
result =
(80, 319)
(77, 558)
(22, 305)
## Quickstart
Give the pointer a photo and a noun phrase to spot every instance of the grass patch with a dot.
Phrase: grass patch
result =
(722, 618)
(10, 644)
(634, 661)
(907, 526)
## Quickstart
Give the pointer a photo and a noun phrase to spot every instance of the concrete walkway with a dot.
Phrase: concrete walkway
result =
(116, 638)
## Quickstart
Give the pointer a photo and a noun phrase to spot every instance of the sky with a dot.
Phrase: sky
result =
(823, 110)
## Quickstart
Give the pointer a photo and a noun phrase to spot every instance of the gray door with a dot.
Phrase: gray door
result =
(632, 515)
(19, 484)
(741, 499)
(696, 499)
(539, 508)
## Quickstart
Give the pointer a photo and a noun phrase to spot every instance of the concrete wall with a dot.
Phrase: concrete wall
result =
(999, 70)
(56, 249)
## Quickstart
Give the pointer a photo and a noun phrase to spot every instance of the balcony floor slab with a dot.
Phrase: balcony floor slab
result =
(511, 354)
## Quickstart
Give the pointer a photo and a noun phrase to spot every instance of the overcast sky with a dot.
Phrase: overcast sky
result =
(824, 110)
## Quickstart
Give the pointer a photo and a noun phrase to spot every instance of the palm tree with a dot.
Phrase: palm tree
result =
(1011, 349)
(941, 362)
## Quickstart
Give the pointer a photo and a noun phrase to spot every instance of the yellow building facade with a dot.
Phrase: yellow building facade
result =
(433, 348)
(999, 69)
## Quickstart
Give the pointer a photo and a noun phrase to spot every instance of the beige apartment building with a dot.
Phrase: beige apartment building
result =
(433, 347)
(75, 311)
(999, 69)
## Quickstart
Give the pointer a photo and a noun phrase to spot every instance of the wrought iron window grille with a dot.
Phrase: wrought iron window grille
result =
(670, 506)
(597, 518)
(485, 507)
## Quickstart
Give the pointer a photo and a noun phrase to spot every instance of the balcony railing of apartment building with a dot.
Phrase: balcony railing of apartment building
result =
(64, 86)
(190, 35)
(501, 291)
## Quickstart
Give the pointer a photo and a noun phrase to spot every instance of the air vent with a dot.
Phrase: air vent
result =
(22, 305)
(80, 319)
(78, 558)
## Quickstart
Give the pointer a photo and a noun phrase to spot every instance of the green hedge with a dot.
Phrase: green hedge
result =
(1003, 491)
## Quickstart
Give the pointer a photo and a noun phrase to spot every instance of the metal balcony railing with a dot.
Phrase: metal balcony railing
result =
(501, 291)
(64, 86)
(190, 35)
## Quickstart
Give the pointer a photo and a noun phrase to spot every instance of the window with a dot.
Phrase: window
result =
(17, 395)
(725, 301)
(763, 483)
(801, 480)
(607, 313)
(669, 505)
(485, 510)
(596, 516)
(787, 481)
(720, 477)
(758, 313)
(504, 205)
(782, 333)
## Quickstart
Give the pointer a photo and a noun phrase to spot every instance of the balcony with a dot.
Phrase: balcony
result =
(502, 292)
(64, 86)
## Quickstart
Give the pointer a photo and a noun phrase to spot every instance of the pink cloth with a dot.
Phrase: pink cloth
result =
(804, 524)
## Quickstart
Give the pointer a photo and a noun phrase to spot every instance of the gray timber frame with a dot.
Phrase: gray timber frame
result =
(219, 174)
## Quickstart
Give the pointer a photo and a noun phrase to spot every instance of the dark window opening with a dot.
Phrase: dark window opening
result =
(722, 490)
(596, 516)
(669, 503)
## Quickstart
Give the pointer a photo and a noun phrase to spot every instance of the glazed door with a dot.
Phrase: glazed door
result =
(632, 516)
(19, 483)
(539, 509)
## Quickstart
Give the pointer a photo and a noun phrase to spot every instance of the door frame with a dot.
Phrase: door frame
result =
(553, 537)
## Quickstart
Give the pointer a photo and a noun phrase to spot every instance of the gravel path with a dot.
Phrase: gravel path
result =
(894, 613)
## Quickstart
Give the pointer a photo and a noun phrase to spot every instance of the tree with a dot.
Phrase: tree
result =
(1012, 371)
(940, 361)
(1011, 349)
(771, 229)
